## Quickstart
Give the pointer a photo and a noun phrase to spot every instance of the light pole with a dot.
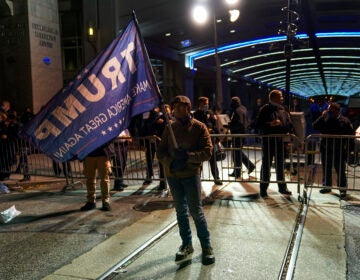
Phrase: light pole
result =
(290, 31)
(219, 91)
(200, 15)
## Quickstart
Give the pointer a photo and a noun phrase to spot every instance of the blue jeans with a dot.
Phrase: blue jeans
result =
(186, 194)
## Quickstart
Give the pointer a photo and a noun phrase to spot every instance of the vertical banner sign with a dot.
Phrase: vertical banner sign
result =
(98, 103)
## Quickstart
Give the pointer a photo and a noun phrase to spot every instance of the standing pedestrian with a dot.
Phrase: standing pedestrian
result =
(98, 161)
(334, 150)
(182, 163)
(273, 119)
(148, 131)
(207, 117)
(239, 124)
(120, 158)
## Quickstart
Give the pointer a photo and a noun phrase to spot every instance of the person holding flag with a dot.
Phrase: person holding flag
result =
(185, 144)
(99, 102)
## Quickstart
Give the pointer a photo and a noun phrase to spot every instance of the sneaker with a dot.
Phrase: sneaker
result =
(26, 178)
(235, 174)
(184, 253)
(161, 187)
(285, 192)
(251, 170)
(343, 195)
(147, 181)
(263, 192)
(119, 184)
(325, 191)
(88, 206)
(164, 193)
(207, 256)
(4, 188)
(106, 206)
(218, 182)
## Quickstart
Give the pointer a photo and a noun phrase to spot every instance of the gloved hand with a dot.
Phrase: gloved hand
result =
(181, 153)
(178, 164)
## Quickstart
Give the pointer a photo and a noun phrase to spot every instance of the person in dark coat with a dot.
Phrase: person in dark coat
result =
(334, 150)
(120, 159)
(239, 124)
(273, 119)
(152, 127)
(207, 117)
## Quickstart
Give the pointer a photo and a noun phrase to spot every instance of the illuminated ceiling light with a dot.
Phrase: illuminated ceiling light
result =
(341, 63)
(219, 20)
(191, 57)
(337, 34)
(341, 69)
(91, 31)
(340, 56)
(276, 75)
(277, 69)
(200, 14)
(339, 49)
(234, 15)
(231, 2)
(167, 34)
(275, 62)
(232, 31)
(262, 55)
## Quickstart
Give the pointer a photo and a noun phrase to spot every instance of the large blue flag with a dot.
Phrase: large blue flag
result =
(98, 103)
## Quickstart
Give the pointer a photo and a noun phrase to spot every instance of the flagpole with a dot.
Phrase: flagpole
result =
(162, 104)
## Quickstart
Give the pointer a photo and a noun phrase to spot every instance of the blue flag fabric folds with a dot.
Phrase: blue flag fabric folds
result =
(98, 103)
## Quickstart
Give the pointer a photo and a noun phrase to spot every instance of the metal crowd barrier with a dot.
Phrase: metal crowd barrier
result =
(136, 161)
(242, 148)
(18, 157)
(332, 162)
(139, 154)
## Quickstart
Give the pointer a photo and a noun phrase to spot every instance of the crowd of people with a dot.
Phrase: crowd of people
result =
(269, 118)
(180, 138)
(10, 124)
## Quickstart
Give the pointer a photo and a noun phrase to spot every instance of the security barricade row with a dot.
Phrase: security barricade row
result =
(135, 160)
(240, 158)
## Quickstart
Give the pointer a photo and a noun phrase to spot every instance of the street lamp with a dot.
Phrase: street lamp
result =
(92, 36)
(200, 14)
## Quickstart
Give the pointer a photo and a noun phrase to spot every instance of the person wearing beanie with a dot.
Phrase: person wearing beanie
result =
(182, 157)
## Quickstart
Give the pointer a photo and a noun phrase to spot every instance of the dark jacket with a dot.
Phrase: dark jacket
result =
(270, 112)
(239, 120)
(194, 138)
(208, 118)
(335, 126)
(338, 126)
(107, 150)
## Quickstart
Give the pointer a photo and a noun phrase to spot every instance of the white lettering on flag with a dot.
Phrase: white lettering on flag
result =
(99, 102)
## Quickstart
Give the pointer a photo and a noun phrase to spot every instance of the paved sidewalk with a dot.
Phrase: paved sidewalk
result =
(52, 239)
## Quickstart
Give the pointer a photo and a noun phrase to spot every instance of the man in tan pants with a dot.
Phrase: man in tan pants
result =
(98, 160)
